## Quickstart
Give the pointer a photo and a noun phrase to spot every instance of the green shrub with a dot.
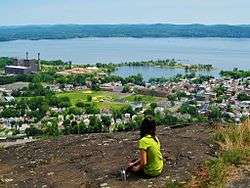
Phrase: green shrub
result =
(233, 156)
(33, 131)
(217, 173)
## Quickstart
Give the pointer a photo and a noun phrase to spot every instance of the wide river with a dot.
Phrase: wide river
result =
(222, 53)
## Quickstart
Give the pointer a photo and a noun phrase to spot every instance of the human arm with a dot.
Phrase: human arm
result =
(139, 163)
(143, 158)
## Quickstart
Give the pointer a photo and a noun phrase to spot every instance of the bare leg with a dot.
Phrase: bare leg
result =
(135, 168)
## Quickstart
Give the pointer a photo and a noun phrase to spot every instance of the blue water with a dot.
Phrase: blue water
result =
(222, 53)
(149, 72)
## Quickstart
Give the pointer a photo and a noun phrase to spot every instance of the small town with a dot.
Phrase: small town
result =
(99, 105)
(52, 104)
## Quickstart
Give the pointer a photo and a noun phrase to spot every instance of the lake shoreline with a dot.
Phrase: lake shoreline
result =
(222, 53)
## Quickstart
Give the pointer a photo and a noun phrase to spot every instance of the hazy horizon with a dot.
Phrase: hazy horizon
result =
(57, 24)
(84, 12)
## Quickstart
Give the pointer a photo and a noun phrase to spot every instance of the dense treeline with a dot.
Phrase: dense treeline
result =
(196, 79)
(16, 78)
(236, 73)
(5, 61)
(162, 63)
(76, 80)
(169, 63)
(55, 62)
(8, 33)
(166, 63)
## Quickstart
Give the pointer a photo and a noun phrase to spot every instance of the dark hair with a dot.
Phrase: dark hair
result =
(148, 127)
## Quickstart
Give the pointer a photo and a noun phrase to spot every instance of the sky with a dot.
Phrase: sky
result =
(26, 12)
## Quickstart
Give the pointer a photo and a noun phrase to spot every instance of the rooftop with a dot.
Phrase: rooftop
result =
(16, 67)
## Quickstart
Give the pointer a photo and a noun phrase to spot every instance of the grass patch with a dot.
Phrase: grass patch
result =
(102, 99)
(105, 99)
(234, 156)
(97, 96)
(234, 142)
(1, 147)
(234, 136)
(216, 173)
(142, 98)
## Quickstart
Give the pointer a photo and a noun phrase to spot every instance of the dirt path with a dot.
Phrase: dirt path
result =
(94, 160)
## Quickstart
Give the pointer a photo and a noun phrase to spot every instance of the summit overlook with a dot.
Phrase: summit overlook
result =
(95, 159)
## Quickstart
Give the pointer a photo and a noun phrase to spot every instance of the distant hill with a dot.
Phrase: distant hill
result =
(36, 32)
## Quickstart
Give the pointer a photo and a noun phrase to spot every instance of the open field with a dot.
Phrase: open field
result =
(79, 70)
(106, 99)
(143, 98)
(15, 86)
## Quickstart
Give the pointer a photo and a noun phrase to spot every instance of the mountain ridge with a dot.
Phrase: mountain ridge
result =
(68, 31)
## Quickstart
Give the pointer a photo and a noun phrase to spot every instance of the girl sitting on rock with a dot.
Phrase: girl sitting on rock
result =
(150, 162)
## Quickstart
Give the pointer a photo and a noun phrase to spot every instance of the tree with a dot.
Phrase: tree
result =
(35, 102)
(80, 104)
(95, 87)
(153, 105)
(180, 94)
(215, 113)
(106, 120)
(95, 124)
(66, 125)
(44, 108)
(53, 100)
(51, 127)
(9, 112)
(74, 110)
(127, 109)
(89, 98)
(149, 112)
(64, 102)
(22, 106)
(188, 109)
(220, 90)
(243, 97)
(125, 89)
(135, 79)
(138, 98)
(137, 121)
(116, 113)
(33, 131)
(170, 120)
(74, 128)
(91, 109)
(172, 97)
(82, 128)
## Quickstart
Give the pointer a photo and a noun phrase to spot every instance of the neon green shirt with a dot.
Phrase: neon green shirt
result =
(154, 164)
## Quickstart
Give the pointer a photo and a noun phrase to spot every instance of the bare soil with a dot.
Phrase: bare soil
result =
(94, 160)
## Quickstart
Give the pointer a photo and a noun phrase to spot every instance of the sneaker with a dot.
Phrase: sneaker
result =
(123, 174)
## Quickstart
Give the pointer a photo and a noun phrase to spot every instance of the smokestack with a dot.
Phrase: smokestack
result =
(38, 57)
(39, 63)
(27, 55)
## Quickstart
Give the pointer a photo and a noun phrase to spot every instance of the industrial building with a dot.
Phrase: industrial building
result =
(23, 66)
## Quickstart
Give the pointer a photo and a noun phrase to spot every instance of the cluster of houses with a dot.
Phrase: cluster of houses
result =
(203, 94)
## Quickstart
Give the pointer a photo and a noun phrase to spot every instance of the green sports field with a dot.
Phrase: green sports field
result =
(106, 99)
